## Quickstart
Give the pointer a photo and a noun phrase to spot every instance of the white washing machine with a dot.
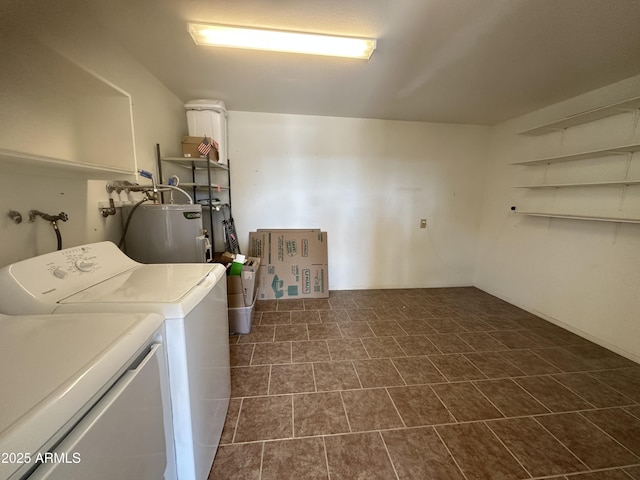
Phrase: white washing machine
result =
(191, 298)
(84, 396)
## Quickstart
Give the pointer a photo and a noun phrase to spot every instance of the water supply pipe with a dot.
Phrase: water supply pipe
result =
(53, 219)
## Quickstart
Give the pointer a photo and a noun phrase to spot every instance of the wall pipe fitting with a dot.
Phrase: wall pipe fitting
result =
(15, 216)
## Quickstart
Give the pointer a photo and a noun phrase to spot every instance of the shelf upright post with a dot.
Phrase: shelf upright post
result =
(159, 166)
(210, 192)
(229, 185)
(194, 189)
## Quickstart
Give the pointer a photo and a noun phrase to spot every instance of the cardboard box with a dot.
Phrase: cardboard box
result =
(190, 148)
(295, 281)
(284, 246)
(241, 288)
(294, 263)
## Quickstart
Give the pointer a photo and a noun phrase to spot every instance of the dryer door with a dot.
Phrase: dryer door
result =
(125, 435)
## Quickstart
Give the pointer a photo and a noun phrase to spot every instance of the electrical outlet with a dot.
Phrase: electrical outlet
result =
(423, 223)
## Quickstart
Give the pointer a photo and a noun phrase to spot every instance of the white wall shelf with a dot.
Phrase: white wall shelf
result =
(624, 149)
(579, 217)
(585, 117)
(26, 162)
(57, 113)
(583, 201)
(615, 183)
(191, 162)
(201, 186)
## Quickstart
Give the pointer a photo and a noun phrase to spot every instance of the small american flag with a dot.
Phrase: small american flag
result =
(205, 146)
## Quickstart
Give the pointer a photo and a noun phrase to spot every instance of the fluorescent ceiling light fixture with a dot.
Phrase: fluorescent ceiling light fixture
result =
(282, 41)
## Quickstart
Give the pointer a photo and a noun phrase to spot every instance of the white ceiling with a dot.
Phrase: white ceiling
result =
(459, 61)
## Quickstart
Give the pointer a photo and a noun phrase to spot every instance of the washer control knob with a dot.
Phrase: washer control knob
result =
(84, 265)
(60, 273)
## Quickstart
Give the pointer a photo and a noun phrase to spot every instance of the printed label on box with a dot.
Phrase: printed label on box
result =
(277, 286)
(306, 281)
(319, 282)
(299, 281)
(291, 246)
(256, 247)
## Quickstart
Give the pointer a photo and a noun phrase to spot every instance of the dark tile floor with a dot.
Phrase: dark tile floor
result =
(447, 383)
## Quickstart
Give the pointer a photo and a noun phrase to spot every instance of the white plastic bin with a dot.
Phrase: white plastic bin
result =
(209, 118)
(241, 318)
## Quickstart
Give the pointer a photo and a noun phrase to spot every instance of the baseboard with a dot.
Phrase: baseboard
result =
(620, 351)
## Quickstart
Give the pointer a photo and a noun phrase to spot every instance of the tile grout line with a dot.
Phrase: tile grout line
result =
(571, 475)
(261, 461)
(488, 400)
(535, 399)
(235, 426)
(456, 421)
(513, 455)
(398, 371)
(509, 361)
(588, 468)
(353, 365)
(449, 452)
(326, 456)
(386, 389)
(293, 418)
(386, 449)
(572, 391)
(607, 434)
(344, 409)
(313, 374)
(626, 409)
(608, 469)
(365, 350)
(253, 351)
(590, 374)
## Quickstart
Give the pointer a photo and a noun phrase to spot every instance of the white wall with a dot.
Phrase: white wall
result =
(158, 117)
(579, 274)
(367, 183)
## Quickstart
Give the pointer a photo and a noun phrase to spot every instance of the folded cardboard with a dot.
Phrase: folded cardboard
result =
(190, 148)
(295, 281)
(224, 257)
(275, 247)
(241, 288)
(294, 263)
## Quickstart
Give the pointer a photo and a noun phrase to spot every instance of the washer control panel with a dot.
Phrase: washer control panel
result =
(74, 261)
(57, 275)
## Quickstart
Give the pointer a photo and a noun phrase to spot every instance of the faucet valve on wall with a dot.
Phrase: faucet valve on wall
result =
(49, 218)
(53, 219)
(109, 211)
(15, 216)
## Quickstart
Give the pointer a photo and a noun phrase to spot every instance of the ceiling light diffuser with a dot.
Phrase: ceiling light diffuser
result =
(282, 41)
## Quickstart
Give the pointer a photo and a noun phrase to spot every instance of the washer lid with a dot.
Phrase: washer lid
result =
(52, 366)
(154, 283)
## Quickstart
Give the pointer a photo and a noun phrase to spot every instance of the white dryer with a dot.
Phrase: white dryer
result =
(84, 396)
(190, 297)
